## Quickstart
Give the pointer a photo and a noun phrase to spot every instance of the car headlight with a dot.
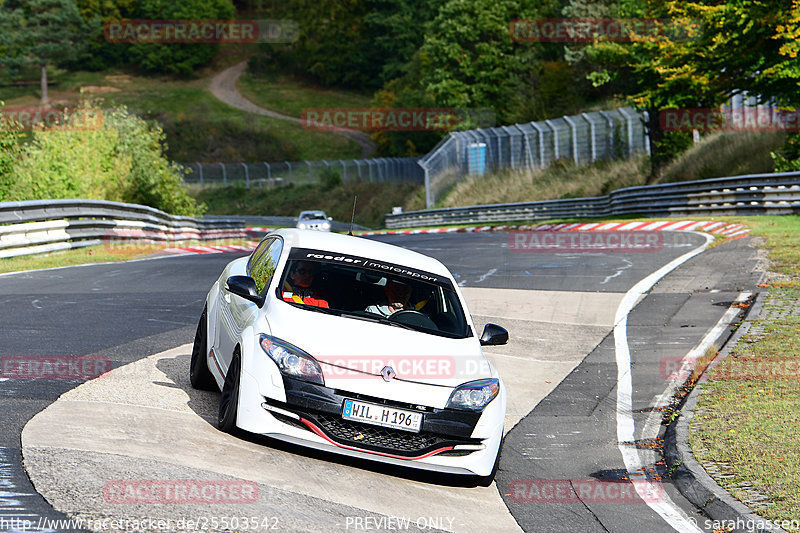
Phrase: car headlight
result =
(292, 361)
(474, 395)
(301, 226)
(326, 225)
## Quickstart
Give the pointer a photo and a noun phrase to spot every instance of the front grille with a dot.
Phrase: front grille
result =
(366, 436)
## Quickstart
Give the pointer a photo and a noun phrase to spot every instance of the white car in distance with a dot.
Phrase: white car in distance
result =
(352, 346)
(316, 220)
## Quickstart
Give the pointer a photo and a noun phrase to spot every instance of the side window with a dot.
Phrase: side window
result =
(263, 262)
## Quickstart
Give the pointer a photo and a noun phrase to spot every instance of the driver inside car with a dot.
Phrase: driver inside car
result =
(297, 287)
(397, 296)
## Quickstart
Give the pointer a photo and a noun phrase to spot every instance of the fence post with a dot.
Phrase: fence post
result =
(592, 135)
(224, 175)
(344, 171)
(610, 121)
(200, 168)
(288, 164)
(549, 123)
(358, 165)
(540, 134)
(573, 127)
(310, 173)
(246, 175)
(629, 122)
(428, 199)
(269, 174)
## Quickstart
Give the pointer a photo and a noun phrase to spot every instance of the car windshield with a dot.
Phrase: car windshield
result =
(314, 216)
(377, 291)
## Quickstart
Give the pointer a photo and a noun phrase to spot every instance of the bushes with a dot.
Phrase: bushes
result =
(120, 160)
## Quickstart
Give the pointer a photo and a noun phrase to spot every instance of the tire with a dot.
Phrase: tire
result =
(199, 374)
(229, 399)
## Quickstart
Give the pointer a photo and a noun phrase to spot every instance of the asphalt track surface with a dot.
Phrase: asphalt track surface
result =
(128, 311)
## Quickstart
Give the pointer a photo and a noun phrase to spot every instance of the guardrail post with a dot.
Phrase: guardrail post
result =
(246, 175)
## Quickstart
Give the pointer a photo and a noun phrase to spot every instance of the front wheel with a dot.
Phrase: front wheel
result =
(229, 400)
(199, 374)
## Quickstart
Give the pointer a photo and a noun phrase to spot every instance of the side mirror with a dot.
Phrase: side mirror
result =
(494, 335)
(244, 287)
(330, 219)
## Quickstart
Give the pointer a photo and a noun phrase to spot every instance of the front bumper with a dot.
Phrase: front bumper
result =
(444, 431)
(450, 441)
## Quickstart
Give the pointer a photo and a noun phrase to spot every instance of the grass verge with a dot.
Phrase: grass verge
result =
(374, 200)
(100, 253)
(726, 154)
(289, 96)
(198, 126)
(746, 428)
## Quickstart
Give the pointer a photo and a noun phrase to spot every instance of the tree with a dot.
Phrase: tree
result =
(38, 33)
(708, 51)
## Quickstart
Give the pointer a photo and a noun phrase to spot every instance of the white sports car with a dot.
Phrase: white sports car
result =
(352, 346)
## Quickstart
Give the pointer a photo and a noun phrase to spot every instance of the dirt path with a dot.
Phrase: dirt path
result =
(223, 86)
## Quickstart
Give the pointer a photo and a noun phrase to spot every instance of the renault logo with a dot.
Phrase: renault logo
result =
(388, 373)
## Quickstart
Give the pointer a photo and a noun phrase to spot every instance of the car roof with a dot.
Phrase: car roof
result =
(315, 212)
(359, 246)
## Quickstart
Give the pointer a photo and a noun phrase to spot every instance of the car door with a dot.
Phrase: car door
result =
(237, 313)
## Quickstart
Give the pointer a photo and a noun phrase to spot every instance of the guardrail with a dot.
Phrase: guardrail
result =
(775, 194)
(40, 226)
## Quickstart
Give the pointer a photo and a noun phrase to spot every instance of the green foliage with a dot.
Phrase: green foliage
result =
(787, 159)
(9, 153)
(120, 160)
(330, 178)
(38, 33)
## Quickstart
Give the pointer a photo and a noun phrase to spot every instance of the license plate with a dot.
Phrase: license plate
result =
(381, 415)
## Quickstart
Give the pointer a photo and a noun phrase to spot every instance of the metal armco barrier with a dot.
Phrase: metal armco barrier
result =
(41, 226)
(759, 194)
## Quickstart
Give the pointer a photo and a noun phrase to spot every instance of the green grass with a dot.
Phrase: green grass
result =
(197, 125)
(718, 155)
(747, 424)
(374, 200)
(289, 96)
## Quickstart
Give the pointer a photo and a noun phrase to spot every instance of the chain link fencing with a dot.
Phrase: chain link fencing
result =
(264, 174)
(584, 138)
